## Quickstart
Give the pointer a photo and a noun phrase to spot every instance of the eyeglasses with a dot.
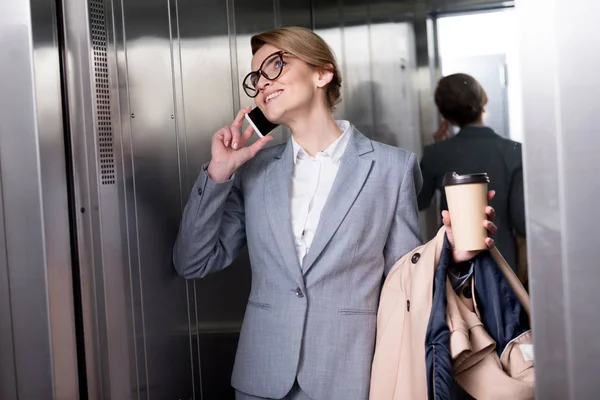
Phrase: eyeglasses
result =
(270, 68)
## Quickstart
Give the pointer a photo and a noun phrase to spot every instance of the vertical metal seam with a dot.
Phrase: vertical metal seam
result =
(75, 255)
(183, 128)
(231, 31)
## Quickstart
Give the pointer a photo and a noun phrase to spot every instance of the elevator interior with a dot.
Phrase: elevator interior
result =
(119, 103)
(178, 69)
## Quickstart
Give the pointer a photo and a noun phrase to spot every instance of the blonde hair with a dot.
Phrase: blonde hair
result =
(308, 47)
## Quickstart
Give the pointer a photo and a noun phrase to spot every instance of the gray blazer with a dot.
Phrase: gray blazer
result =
(313, 322)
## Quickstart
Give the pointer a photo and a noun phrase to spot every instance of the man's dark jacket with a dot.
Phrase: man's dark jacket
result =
(479, 149)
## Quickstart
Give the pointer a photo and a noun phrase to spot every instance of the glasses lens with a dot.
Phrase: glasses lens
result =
(272, 66)
(250, 83)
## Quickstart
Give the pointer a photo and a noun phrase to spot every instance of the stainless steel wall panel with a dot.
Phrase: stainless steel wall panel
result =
(8, 373)
(22, 201)
(37, 324)
(559, 75)
(214, 62)
(156, 188)
(207, 74)
(129, 256)
(393, 92)
(544, 232)
(328, 23)
(55, 208)
(206, 81)
(112, 290)
(79, 83)
(97, 173)
(185, 177)
(377, 61)
(356, 53)
(207, 65)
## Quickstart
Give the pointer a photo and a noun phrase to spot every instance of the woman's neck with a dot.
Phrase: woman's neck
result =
(316, 131)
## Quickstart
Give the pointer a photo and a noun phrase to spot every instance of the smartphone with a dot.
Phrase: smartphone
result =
(262, 126)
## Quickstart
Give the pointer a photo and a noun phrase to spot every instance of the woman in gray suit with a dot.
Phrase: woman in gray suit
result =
(324, 216)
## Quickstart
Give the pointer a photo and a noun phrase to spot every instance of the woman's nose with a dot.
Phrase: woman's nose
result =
(262, 83)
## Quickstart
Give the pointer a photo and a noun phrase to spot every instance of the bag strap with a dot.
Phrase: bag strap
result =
(513, 280)
(509, 274)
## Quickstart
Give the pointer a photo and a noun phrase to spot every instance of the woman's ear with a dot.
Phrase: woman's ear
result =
(324, 77)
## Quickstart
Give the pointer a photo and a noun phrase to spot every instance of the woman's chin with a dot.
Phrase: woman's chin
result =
(274, 115)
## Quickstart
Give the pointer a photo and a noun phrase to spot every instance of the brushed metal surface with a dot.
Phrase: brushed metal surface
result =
(153, 181)
(559, 75)
(106, 298)
(37, 331)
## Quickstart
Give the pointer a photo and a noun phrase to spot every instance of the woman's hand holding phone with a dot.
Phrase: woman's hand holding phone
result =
(229, 150)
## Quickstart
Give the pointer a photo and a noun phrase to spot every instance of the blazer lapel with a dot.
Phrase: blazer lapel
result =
(278, 189)
(348, 183)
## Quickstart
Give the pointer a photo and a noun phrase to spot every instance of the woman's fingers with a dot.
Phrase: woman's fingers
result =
(446, 218)
(246, 136)
(491, 213)
(226, 135)
(236, 126)
(490, 226)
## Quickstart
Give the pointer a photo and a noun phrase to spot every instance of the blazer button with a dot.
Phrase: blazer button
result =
(299, 293)
(415, 258)
(199, 191)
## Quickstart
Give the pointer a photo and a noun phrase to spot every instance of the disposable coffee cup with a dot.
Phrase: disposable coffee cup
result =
(467, 197)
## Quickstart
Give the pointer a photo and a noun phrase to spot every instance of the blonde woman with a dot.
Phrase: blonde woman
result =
(324, 216)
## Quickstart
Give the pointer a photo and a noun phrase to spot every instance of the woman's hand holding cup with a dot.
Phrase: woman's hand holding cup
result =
(468, 203)
(466, 255)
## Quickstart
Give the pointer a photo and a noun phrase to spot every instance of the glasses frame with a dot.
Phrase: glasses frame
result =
(260, 73)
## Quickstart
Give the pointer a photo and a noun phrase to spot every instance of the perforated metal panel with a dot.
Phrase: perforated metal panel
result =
(104, 123)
